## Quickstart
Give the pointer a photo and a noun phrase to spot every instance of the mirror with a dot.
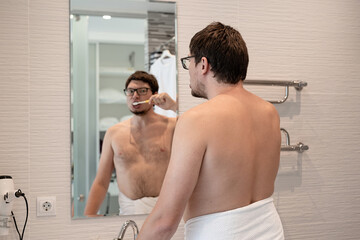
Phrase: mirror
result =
(110, 40)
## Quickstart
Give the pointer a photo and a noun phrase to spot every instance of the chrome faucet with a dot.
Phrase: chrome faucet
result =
(125, 226)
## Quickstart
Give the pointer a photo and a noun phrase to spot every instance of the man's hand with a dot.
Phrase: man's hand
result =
(164, 101)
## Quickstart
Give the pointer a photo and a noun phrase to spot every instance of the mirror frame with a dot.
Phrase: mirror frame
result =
(78, 204)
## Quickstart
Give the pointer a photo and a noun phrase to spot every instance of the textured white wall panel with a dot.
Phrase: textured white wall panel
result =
(317, 192)
(14, 97)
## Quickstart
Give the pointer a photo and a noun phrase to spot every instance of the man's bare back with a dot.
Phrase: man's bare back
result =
(225, 152)
(241, 160)
(141, 155)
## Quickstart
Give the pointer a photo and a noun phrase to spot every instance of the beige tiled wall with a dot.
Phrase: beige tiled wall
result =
(317, 194)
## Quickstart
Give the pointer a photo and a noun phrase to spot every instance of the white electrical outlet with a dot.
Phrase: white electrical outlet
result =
(46, 206)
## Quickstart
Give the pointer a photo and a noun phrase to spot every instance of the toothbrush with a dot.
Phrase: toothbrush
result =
(137, 103)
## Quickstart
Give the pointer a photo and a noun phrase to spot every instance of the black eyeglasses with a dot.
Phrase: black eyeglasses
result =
(185, 61)
(140, 91)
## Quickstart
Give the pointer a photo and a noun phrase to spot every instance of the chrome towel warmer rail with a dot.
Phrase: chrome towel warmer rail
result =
(298, 85)
(299, 147)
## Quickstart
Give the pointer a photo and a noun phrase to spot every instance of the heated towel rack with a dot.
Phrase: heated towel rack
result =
(300, 147)
(298, 85)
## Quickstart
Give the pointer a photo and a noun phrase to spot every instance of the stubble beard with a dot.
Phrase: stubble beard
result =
(140, 113)
(196, 94)
(199, 92)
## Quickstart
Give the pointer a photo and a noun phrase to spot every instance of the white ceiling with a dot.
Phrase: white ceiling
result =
(125, 30)
(128, 22)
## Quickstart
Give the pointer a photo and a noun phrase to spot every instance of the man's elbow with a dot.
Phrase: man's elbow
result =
(89, 211)
(166, 228)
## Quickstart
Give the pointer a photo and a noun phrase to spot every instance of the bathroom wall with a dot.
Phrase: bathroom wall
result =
(317, 195)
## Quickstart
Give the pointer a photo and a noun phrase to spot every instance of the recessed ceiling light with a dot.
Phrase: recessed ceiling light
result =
(106, 17)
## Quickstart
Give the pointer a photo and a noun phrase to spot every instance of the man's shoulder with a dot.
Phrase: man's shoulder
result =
(172, 121)
(165, 119)
(196, 114)
(203, 109)
(120, 127)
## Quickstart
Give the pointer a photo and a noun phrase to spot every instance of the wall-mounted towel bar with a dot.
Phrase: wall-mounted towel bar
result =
(300, 147)
(298, 85)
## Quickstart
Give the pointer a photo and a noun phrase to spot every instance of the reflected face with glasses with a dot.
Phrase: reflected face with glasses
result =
(138, 91)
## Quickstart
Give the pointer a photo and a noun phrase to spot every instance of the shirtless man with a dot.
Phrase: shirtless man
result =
(138, 149)
(225, 152)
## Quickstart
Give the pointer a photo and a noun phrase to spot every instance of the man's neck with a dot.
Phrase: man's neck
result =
(215, 88)
(144, 120)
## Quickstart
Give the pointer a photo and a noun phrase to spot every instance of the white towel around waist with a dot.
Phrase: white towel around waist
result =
(139, 206)
(259, 220)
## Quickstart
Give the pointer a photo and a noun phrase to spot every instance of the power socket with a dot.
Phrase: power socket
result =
(46, 206)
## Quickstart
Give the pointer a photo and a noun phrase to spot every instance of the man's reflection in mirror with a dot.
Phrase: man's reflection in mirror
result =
(138, 149)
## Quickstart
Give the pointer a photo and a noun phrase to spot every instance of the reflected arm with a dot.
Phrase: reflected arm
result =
(103, 176)
(164, 101)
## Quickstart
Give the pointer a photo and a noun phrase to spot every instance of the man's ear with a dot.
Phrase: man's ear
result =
(205, 66)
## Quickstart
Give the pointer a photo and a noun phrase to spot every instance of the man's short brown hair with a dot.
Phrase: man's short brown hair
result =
(225, 50)
(144, 77)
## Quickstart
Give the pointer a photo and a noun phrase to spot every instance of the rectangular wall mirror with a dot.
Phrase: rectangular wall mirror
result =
(110, 40)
